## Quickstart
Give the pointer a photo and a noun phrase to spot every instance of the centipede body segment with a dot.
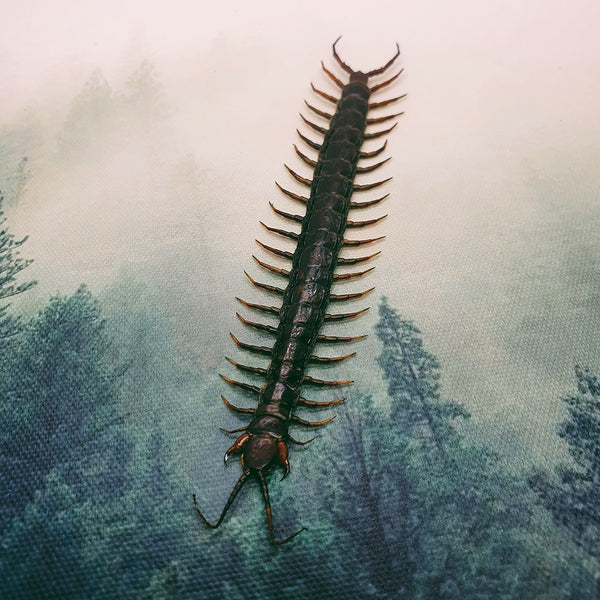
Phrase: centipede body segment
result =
(313, 270)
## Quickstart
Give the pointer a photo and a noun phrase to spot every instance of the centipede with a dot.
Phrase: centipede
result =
(316, 267)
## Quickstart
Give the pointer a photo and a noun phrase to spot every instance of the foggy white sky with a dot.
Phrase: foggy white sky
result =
(495, 193)
(42, 41)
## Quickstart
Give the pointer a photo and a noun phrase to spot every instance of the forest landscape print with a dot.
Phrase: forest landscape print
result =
(138, 155)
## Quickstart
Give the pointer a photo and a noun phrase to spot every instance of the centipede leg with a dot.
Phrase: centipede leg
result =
(263, 485)
(234, 493)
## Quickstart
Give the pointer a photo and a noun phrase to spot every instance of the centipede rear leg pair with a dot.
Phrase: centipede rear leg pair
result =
(263, 443)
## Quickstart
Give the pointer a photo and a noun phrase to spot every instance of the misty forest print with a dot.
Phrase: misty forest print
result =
(110, 414)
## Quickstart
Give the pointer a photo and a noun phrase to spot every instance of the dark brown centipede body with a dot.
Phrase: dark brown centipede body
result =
(263, 443)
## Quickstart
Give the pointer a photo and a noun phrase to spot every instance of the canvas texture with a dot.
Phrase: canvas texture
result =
(464, 461)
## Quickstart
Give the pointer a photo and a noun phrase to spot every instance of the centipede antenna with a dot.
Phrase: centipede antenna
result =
(340, 62)
(387, 65)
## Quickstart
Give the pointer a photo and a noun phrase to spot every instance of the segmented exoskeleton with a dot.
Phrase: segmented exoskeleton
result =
(263, 443)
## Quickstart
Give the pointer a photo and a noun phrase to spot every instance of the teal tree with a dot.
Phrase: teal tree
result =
(11, 265)
(65, 458)
(422, 443)
(574, 498)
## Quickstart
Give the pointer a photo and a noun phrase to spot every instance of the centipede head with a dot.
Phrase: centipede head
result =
(260, 453)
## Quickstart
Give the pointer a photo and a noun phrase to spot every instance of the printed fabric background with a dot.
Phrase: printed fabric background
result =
(139, 145)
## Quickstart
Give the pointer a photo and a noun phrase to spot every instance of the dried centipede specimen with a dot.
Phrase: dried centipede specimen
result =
(263, 444)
